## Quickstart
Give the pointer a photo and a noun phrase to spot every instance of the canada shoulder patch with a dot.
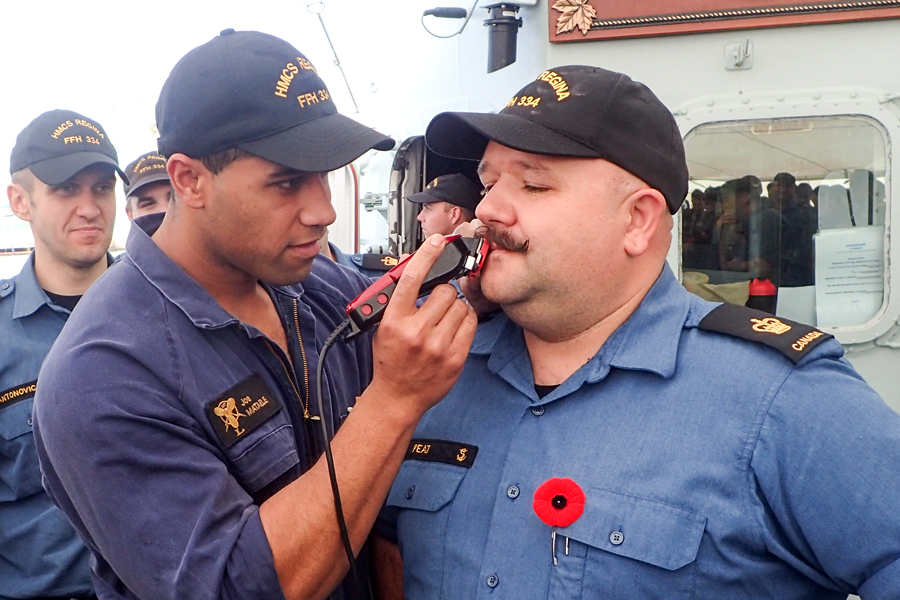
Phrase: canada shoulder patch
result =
(792, 339)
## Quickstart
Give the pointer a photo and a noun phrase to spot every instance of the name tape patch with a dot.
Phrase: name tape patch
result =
(241, 409)
(792, 339)
(442, 451)
(17, 393)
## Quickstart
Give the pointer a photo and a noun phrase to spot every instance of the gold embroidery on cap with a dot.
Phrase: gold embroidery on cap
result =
(140, 167)
(230, 415)
(284, 80)
(558, 84)
(305, 64)
(527, 101)
(62, 127)
(770, 325)
(90, 126)
(313, 98)
(805, 340)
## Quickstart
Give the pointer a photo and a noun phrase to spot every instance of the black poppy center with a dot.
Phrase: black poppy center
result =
(559, 502)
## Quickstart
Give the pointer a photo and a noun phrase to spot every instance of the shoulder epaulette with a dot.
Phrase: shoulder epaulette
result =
(375, 262)
(792, 339)
(7, 286)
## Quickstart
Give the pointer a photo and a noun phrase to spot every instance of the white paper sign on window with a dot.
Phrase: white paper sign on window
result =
(849, 275)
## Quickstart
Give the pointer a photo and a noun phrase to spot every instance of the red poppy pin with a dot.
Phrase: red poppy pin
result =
(558, 502)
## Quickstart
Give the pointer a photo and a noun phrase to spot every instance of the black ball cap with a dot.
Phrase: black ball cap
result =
(58, 144)
(455, 188)
(256, 92)
(578, 111)
(145, 169)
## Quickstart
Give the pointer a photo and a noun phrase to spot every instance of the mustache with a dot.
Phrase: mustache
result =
(502, 240)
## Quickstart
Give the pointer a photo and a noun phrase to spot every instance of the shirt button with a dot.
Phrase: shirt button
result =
(410, 492)
(616, 538)
(6, 286)
(512, 491)
(493, 581)
(28, 421)
(537, 411)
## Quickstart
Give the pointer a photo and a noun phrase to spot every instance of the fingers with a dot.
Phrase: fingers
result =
(403, 300)
(471, 289)
(452, 335)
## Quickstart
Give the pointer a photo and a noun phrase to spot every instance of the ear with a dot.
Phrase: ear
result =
(455, 214)
(19, 201)
(190, 179)
(646, 208)
(129, 213)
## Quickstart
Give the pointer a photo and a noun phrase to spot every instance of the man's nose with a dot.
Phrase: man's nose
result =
(319, 210)
(87, 206)
(495, 207)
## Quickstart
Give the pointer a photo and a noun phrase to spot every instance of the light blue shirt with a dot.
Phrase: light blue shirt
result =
(40, 553)
(713, 467)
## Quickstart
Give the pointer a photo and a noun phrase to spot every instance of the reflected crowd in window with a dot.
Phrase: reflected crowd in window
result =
(743, 229)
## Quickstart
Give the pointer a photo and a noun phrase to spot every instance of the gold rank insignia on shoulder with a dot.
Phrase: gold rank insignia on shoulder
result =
(770, 325)
(442, 451)
(792, 339)
(241, 409)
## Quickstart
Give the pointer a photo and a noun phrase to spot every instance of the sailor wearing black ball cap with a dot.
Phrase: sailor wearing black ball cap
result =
(186, 452)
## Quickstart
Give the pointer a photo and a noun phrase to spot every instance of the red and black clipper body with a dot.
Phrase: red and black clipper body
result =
(460, 257)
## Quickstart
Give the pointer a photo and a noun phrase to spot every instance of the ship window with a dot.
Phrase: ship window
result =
(799, 203)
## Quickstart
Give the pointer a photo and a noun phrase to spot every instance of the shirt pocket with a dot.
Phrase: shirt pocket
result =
(266, 453)
(628, 547)
(20, 472)
(422, 496)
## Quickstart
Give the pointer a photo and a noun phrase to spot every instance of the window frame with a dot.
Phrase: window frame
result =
(878, 108)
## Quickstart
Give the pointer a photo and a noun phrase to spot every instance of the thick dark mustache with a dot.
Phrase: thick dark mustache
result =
(501, 240)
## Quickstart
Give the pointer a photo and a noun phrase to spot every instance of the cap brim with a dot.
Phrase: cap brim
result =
(466, 135)
(163, 176)
(60, 169)
(423, 198)
(319, 146)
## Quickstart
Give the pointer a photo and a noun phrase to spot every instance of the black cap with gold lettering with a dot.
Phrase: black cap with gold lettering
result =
(578, 111)
(146, 168)
(58, 144)
(256, 92)
(456, 189)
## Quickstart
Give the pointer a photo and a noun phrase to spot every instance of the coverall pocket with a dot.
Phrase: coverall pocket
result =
(627, 547)
(265, 454)
(20, 473)
(423, 494)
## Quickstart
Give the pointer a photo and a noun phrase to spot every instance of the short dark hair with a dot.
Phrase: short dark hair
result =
(217, 161)
(25, 178)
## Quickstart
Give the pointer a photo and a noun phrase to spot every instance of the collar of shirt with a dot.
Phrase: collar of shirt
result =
(29, 295)
(647, 341)
(177, 286)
